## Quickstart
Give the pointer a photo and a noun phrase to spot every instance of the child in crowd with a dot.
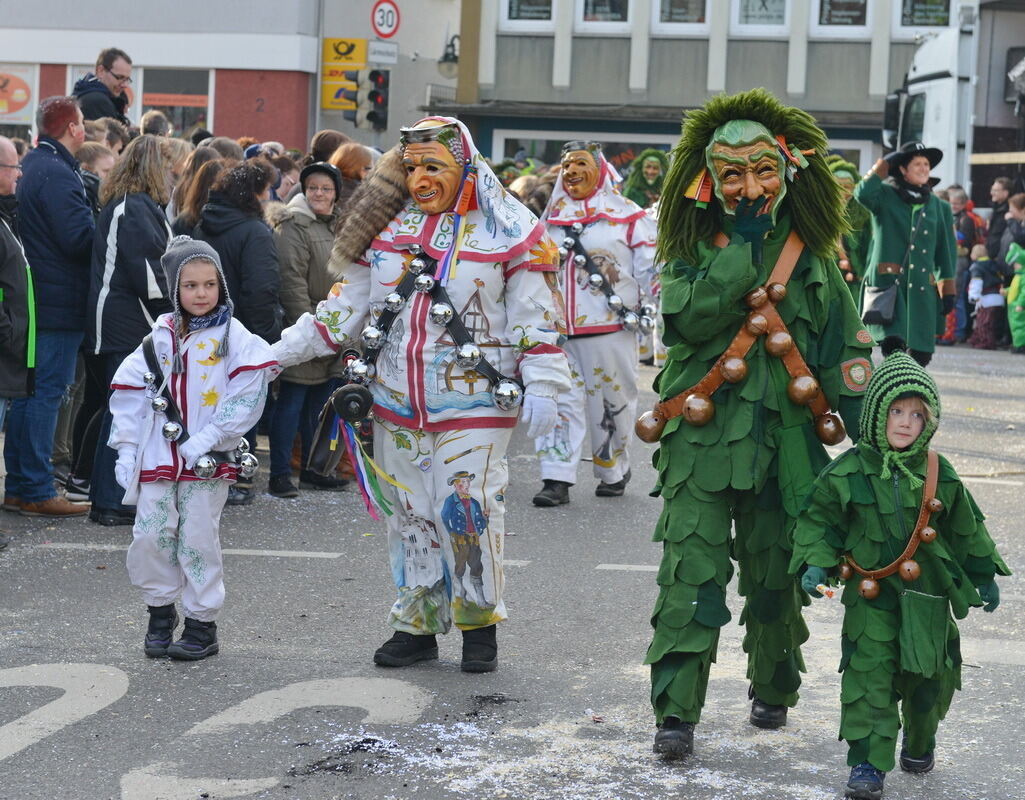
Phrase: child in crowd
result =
(180, 411)
(1016, 298)
(899, 641)
(984, 290)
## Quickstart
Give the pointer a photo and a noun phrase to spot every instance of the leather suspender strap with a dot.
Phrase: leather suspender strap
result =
(149, 352)
(589, 265)
(405, 289)
(460, 335)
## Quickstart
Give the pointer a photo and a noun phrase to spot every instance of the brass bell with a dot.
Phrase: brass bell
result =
(777, 291)
(868, 589)
(846, 573)
(733, 369)
(934, 505)
(649, 427)
(756, 297)
(927, 534)
(802, 390)
(698, 409)
(909, 570)
(829, 429)
(778, 343)
(756, 323)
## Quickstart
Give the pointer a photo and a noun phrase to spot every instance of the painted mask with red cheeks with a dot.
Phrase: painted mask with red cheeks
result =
(745, 163)
(580, 173)
(432, 176)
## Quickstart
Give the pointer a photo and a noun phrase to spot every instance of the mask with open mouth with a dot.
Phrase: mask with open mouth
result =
(580, 172)
(745, 163)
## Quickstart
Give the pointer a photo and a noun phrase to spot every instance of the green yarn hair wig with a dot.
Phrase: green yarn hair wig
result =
(857, 215)
(813, 197)
(635, 181)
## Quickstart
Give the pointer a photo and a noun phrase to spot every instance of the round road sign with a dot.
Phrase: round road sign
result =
(384, 18)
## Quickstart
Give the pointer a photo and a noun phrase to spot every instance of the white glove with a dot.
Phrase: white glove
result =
(191, 451)
(124, 467)
(540, 413)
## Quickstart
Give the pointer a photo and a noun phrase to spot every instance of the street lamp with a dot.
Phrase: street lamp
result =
(448, 64)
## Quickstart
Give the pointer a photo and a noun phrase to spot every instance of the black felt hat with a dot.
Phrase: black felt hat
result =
(907, 151)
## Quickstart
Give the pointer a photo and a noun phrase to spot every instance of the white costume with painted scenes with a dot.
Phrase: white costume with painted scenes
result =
(604, 303)
(438, 432)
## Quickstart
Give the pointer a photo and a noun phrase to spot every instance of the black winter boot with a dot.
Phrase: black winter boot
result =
(915, 764)
(480, 650)
(403, 649)
(675, 738)
(162, 622)
(198, 640)
(612, 489)
(764, 715)
(553, 493)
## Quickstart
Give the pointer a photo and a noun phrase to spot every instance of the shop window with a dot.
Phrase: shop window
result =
(526, 16)
(603, 16)
(841, 19)
(679, 17)
(913, 18)
(182, 94)
(763, 18)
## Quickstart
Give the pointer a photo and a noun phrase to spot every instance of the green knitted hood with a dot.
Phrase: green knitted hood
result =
(813, 196)
(898, 377)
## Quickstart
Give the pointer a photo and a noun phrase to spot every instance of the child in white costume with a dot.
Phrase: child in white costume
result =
(215, 373)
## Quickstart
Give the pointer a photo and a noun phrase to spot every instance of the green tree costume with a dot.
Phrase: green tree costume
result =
(637, 187)
(1016, 296)
(753, 463)
(858, 240)
(926, 265)
(904, 644)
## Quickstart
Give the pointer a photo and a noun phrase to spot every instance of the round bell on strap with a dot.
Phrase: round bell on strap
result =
(417, 265)
(909, 570)
(158, 404)
(595, 281)
(846, 573)
(927, 534)
(423, 283)
(579, 259)
(577, 228)
(394, 302)
(649, 310)
(868, 588)
(243, 447)
(698, 409)
(508, 394)
(756, 323)
(361, 371)
(441, 314)
(777, 291)
(756, 297)
(646, 325)
(171, 431)
(373, 337)
(468, 355)
(649, 427)
(733, 369)
(631, 320)
(563, 253)
(615, 302)
(149, 378)
(802, 390)
(935, 505)
(569, 242)
(247, 465)
(830, 429)
(205, 466)
(415, 249)
(778, 343)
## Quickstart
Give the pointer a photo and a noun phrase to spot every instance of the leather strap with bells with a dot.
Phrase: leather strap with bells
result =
(905, 563)
(695, 403)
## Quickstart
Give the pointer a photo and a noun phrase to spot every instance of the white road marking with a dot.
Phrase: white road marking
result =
(512, 562)
(158, 782)
(998, 481)
(227, 551)
(87, 689)
(629, 567)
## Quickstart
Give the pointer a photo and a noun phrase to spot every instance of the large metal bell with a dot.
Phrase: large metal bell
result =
(373, 337)
(595, 281)
(778, 343)
(909, 570)
(934, 505)
(468, 355)
(508, 395)
(646, 325)
(631, 321)
(247, 465)
(580, 259)
(569, 242)
(756, 323)
(777, 291)
(158, 404)
(698, 409)
(563, 253)
(417, 265)
(846, 572)
(361, 371)
(149, 378)
(868, 588)
(394, 302)
(243, 446)
(756, 297)
(830, 429)
(802, 390)
(733, 369)
(171, 431)
(415, 249)
(927, 534)
(649, 427)
(614, 301)
(423, 283)
(649, 310)
(441, 314)
(205, 466)
(577, 228)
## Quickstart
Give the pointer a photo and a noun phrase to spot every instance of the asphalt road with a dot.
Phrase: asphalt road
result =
(294, 708)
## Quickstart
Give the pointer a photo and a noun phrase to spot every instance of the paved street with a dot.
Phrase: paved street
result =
(293, 707)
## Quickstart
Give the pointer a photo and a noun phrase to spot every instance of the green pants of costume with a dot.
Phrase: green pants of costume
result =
(695, 528)
(873, 683)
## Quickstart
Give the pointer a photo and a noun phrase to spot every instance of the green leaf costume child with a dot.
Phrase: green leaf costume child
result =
(753, 462)
(903, 644)
(643, 184)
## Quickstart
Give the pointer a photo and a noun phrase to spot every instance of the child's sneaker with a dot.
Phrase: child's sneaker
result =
(162, 622)
(199, 640)
(865, 783)
(916, 764)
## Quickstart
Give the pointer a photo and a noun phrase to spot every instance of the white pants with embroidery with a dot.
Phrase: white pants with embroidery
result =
(176, 547)
(602, 401)
(446, 536)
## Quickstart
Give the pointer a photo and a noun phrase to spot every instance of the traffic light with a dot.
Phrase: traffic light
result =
(370, 97)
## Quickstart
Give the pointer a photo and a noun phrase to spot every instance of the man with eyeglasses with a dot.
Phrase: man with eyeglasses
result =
(102, 93)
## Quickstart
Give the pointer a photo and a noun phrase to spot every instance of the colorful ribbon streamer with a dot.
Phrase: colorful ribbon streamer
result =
(366, 479)
(464, 204)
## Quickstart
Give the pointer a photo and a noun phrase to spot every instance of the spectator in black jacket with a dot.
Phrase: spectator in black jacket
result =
(56, 226)
(232, 222)
(95, 162)
(127, 289)
(102, 93)
(999, 193)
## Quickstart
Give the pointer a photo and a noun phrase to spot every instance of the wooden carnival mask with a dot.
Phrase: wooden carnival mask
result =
(745, 163)
(432, 176)
(580, 172)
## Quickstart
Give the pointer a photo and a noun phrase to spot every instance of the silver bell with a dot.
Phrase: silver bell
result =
(595, 280)
(149, 378)
(508, 395)
(441, 314)
(373, 337)
(423, 283)
(580, 259)
(394, 302)
(205, 466)
(158, 404)
(417, 265)
(615, 302)
(468, 355)
(563, 253)
(415, 249)
(649, 310)
(361, 371)
(577, 227)
(171, 431)
(247, 465)
(243, 446)
(569, 242)
(647, 325)
(631, 320)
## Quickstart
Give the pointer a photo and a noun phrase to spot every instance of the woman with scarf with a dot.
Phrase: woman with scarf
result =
(644, 183)
(913, 249)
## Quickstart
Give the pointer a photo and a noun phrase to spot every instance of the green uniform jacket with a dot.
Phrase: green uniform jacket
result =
(1016, 307)
(754, 421)
(918, 317)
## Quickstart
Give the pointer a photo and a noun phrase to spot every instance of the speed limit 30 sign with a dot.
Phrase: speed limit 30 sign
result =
(385, 18)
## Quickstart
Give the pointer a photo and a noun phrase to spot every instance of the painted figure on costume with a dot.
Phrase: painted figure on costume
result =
(647, 174)
(607, 249)
(763, 343)
(445, 281)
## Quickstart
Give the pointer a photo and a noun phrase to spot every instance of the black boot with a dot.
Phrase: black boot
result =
(612, 489)
(916, 764)
(162, 622)
(480, 650)
(403, 649)
(553, 493)
(764, 715)
(198, 640)
(675, 738)
(308, 479)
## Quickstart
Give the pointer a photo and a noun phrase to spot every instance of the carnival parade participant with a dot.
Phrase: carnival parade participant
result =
(608, 248)
(909, 280)
(647, 174)
(180, 404)
(447, 281)
(855, 244)
(893, 518)
(763, 341)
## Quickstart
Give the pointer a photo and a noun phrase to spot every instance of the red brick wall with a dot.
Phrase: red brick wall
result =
(52, 80)
(267, 105)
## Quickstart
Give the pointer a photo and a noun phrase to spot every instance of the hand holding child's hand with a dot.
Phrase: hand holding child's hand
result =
(813, 577)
